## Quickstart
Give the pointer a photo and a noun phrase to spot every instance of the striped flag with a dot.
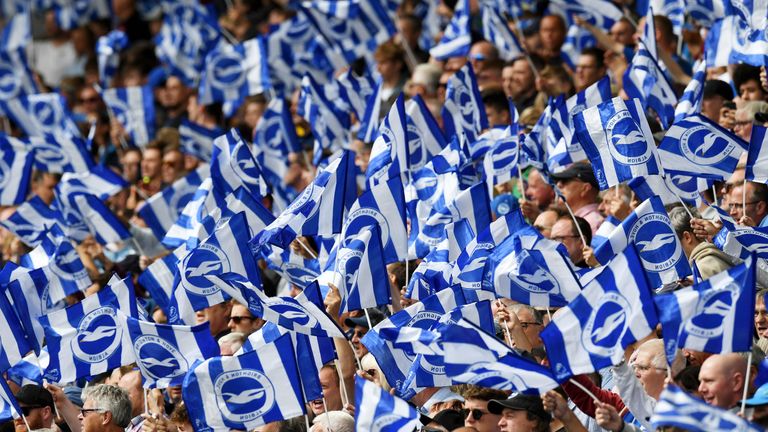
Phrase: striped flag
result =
(197, 140)
(161, 210)
(134, 109)
(425, 139)
(40, 114)
(690, 101)
(30, 220)
(360, 272)
(13, 340)
(757, 157)
(390, 148)
(645, 80)
(9, 407)
(601, 13)
(463, 110)
(59, 153)
(244, 391)
(15, 170)
(100, 181)
(456, 38)
(275, 130)
(678, 409)
(108, 49)
(61, 265)
(85, 214)
(378, 411)
(496, 30)
(158, 278)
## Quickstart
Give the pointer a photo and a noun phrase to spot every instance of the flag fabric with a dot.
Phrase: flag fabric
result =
(645, 80)
(244, 391)
(356, 90)
(577, 39)
(89, 338)
(72, 14)
(456, 37)
(698, 147)
(604, 231)
(378, 411)
(757, 157)
(618, 141)
(9, 407)
(496, 31)
(164, 353)
(108, 49)
(223, 253)
(648, 227)
(233, 164)
(28, 370)
(705, 12)
(100, 181)
(463, 110)
(61, 265)
(188, 227)
(30, 220)
(15, 170)
(161, 210)
(296, 269)
(749, 45)
(671, 188)
(501, 160)
(709, 316)
(425, 139)
(681, 410)
(390, 149)
(40, 114)
(533, 148)
(158, 278)
(84, 214)
(720, 41)
(275, 130)
(532, 270)
(602, 13)
(369, 122)
(472, 356)
(134, 109)
(330, 125)
(14, 344)
(360, 272)
(614, 310)
(17, 32)
(752, 12)
(197, 140)
(16, 75)
(233, 72)
(690, 101)
(739, 241)
(59, 153)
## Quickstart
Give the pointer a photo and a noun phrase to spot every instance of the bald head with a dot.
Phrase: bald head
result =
(721, 379)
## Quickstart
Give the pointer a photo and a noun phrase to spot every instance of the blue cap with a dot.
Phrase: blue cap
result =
(504, 204)
(759, 398)
(157, 77)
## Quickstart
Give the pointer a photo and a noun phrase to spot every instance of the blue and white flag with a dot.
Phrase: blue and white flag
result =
(690, 101)
(749, 45)
(100, 181)
(645, 80)
(360, 272)
(601, 13)
(15, 75)
(15, 170)
(83, 214)
(330, 124)
(73, 14)
(233, 72)
(188, 228)
(244, 391)
(671, 188)
(618, 141)
(390, 155)
(604, 231)
(711, 315)
(59, 153)
(61, 265)
(161, 210)
(89, 338)
(108, 49)
(382, 205)
(158, 278)
(472, 356)
(577, 39)
(754, 13)
(532, 270)
(30, 220)
(705, 12)
(698, 147)
(233, 165)
(757, 158)
(720, 40)
(648, 227)
(134, 109)
(275, 130)
(683, 411)
(740, 241)
(40, 114)
(357, 90)
(533, 148)
(496, 31)
(225, 252)
(378, 411)
(456, 38)
(17, 32)
(197, 140)
(501, 161)
(425, 138)
(28, 370)
(296, 269)
(9, 407)
(614, 310)
(14, 344)
(164, 353)
(463, 110)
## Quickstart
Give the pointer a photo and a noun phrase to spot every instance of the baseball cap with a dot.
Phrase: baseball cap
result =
(34, 396)
(578, 170)
(450, 419)
(759, 398)
(376, 317)
(504, 204)
(521, 402)
(717, 87)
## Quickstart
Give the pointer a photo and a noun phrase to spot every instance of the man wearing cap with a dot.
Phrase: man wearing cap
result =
(716, 93)
(760, 404)
(359, 326)
(37, 406)
(579, 188)
(521, 413)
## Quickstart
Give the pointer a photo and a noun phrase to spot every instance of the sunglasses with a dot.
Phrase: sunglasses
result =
(239, 319)
(474, 412)
(85, 411)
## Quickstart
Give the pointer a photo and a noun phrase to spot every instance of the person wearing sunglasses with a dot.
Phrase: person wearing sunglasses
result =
(36, 404)
(476, 412)
(242, 320)
(106, 408)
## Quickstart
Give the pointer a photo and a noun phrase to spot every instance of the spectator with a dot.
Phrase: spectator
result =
(722, 379)
(552, 33)
(579, 189)
(333, 421)
(565, 232)
(521, 413)
(589, 68)
(359, 326)
(151, 181)
(496, 108)
(331, 401)
(106, 408)
(131, 383)
(519, 81)
(241, 320)
(217, 317)
(36, 404)
(480, 54)
(744, 118)
(424, 81)
(546, 220)
(231, 343)
(751, 212)
(390, 60)
(715, 94)
(708, 259)
(538, 195)
(410, 32)
(476, 405)
(746, 80)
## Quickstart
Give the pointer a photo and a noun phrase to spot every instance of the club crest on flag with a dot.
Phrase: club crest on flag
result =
(349, 262)
(206, 259)
(495, 375)
(9, 84)
(46, 153)
(656, 242)
(244, 395)
(225, 70)
(696, 144)
(366, 216)
(425, 320)
(292, 311)
(629, 145)
(527, 274)
(711, 309)
(607, 325)
(684, 186)
(159, 359)
(98, 335)
(418, 153)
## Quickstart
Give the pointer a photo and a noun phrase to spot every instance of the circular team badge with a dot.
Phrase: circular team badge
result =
(529, 276)
(226, 71)
(244, 395)
(712, 308)
(158, 358)
(656, 242)
(628, 145)
(207, 259)
(702, 147)
(606, 325)
(98, 336)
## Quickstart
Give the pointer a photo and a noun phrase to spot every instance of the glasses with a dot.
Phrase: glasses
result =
(26, 410)
(525, 325)
(85, 411)
(474, 412)
(742, 123)
(733, 206)
(646, 368)
(238, 319)
(561, 238)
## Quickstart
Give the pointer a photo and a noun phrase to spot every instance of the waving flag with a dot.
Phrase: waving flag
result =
(244, 391)
(645, 80)
(577, 39)
(161, 210)
(618, 140)
(15, 170)
(275, 130)
(532, 270)
(188, 227)
(671, 188)
(456, 38)
(84, 214)
(17, 32)
(533, 150)
(223, 253)
(30, 220)
(100, 181)
(330, 124)
(61, 266)
(134, 109)
(425, 139)
(59, 153)
(614, 310)
(463, 111)
(749, 45)
(296, 269)
(40, 114)
(89, 338)
(698, 147)
(164, 353)
(501, 160)
(757, 158)
(108, 49)
(158, 278)
(197, 140)
(602, 13)
(13, 340)
(72, 14)
(679, 409)
(15, 75)
(233, 72)
(356, 90)
(473, 356)
(381, 412)
(690, 101)
(9, 407)
(720, 40)
(360, 272)
(28, 370)
(709, 316)
(740, 241)
(751, 12)
(496, 31)
(233, 165)
(705, 12)
(390, 149)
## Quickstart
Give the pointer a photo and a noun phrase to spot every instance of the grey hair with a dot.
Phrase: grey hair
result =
(681, 220)
(754, 107)
(113, 399)
(515, 308)
(339, 421)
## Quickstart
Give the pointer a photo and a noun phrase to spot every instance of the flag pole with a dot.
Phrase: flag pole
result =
(684, 205)
(306, 421)
(407, 236)
(746, 384)
(25, 420)
(146, 401)
(743, 199)
(55, 408)
(341, 382)
(306, 248)
(520, 183)
(354, 354)
(508, 334)
(368, 317)
(584, 389)
(573, 216)
(327, 416)
(714, 194)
